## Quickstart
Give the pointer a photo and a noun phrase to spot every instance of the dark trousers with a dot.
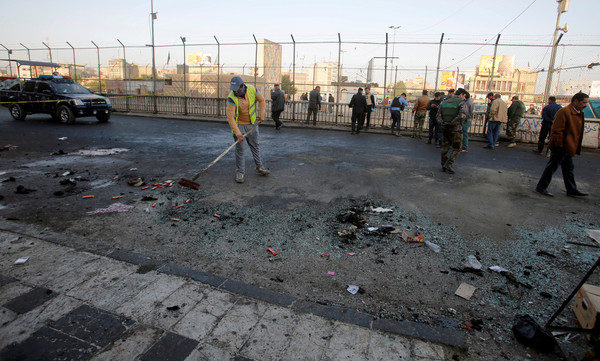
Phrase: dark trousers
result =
(360, 118)
(275, 115)
(313, 111)
(546, 127)
(368, 117)
(435, 130)
(395, 119)
(558, 157)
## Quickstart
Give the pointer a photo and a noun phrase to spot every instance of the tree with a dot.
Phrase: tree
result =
(398, 89)
(287, 85)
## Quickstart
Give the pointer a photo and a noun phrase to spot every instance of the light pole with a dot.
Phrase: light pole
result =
(185, 110)
(395, 28)
(153, 15)
(563, 7)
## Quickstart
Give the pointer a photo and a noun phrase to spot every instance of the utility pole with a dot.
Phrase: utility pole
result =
(563, 7)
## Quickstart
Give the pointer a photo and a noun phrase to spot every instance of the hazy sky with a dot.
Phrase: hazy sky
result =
(32, 22)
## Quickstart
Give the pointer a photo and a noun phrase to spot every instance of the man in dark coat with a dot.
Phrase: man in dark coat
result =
(277, 105)
(358, 103)
(565, 141)
(314, 104)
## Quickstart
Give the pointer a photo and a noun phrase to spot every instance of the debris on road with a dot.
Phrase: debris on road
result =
(21, 260)
(465, 291)
(434, 247)
(23, 190)
(100, 151)
(353, 289)
(272, 251)
(136, 182)
(113, 208)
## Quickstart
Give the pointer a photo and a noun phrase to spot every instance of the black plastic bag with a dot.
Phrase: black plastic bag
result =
(529, 333)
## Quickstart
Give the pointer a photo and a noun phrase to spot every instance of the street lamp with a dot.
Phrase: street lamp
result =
(393, 27)
(563, 7)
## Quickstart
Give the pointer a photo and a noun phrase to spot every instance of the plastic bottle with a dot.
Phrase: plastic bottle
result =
(434, 247)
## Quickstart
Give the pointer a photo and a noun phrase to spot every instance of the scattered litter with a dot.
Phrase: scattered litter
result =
(498, 269)
(474, 325)
(23, 190)
(529, 333)
(59, 152)
(434, 247)
(465, 291)
(133, 169)
(153, 205)
(272, 251)
(545, 253)
(116, 197)
(353, 289)
(380, 231)
(148, 199)
(277, 278)
(69, 181)
(324, 255)
(21, 260)
(113, 208)
(174, 219)
(87, 197)
(173, 308)
(594, 234)
(147, 210)
(349, 233)
(63, 138)
(452, 311)
(217, 215)
(67, 173)
(381, 210)
(331, 273)
(545, 294)
(351, 254)
(100, 151)
(411, 236)
(144, 188)
(473, 263)
(8, 147)
(135, 182)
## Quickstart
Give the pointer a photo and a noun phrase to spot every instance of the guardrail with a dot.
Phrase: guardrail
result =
(330, 114)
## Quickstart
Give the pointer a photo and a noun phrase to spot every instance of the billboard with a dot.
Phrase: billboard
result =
(269, 60)
(448, 80)
(199, 59)
(503, 67)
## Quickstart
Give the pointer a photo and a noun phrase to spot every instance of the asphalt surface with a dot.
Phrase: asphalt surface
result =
(489, 190)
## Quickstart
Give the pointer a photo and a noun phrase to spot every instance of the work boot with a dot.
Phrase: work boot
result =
(262, 170)
(540, 147)
(239, 177)
(449, 168)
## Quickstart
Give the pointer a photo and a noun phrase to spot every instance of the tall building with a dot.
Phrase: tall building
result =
(323, 74)
(269, 61)
(119, 69)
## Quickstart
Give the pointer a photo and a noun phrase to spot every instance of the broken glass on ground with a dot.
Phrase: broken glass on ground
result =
(113, 208)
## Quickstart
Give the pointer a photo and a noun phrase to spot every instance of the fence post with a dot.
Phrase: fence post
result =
(185, 106)
(384, 77)
(218, 75)
(49, 50)
(255, 59)
(99, 74)
(425, 80)
(294, 80)
(125, 76)
(437, 72)
(74, 62)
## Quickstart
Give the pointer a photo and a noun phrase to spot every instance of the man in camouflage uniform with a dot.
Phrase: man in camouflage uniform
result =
(451, 115)
(515, 112)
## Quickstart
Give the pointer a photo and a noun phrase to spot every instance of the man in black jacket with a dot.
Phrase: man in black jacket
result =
(277, 105)
(358, 103)
(370, 105)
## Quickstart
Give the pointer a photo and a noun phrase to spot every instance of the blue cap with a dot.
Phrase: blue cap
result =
(236, 83)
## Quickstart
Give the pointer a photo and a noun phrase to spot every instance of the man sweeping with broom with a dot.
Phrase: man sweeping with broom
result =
(241, 116)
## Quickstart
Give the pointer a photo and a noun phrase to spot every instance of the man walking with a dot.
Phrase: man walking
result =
(435, 130)
(451, 115)
(566, 136)
(277, 105)
(419, 113)
(370, 105)
(467, 123)
(498, 115)
(396, 108)
(359, 106)
(314, 104)
(515, 112)
(548, 114)
(241, 116)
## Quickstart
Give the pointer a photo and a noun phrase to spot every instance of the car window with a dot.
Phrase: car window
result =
(70, 88)
(29, 86)
(43, 86)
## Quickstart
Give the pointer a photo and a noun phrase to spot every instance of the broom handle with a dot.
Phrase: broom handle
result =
(223, 154)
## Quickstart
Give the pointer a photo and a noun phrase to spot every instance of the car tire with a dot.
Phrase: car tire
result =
(17, 112)
(65, 114)
(103, 118)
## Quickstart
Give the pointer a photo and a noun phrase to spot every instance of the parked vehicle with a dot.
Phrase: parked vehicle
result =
(59, 96)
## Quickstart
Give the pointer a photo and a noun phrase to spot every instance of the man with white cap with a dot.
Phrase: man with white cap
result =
(241, 116)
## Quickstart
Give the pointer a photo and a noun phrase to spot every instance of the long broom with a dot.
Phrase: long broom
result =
(192, 183)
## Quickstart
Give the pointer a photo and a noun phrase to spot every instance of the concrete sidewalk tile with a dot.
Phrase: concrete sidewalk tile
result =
(185, 297)
(24, 325)
(234, 329)
(107, 273)
(137, 342)
(310, 338)
(388, 347)
(171, 347)
(348, 342)
(4, 280)
(203, 318)
(63, 263)
(122, 290)
(427, 350)
(41, 256)
(30, 300)
(207, 352)
(49, 344)
(161, 287)
(93, 325)
(12, 290)
(65, 282)
(271, 336)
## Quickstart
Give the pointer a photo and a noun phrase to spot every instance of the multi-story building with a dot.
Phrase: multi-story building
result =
(119, 69)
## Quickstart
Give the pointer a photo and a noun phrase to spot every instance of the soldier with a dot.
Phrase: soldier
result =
(451, 115)
(515, 112)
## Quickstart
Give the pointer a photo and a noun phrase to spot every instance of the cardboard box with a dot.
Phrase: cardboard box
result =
(411, 236)
(587, 305)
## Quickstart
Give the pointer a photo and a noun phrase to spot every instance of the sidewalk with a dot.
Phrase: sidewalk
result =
(64, 304)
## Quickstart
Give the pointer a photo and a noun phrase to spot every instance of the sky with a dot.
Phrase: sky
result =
(31, 22)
